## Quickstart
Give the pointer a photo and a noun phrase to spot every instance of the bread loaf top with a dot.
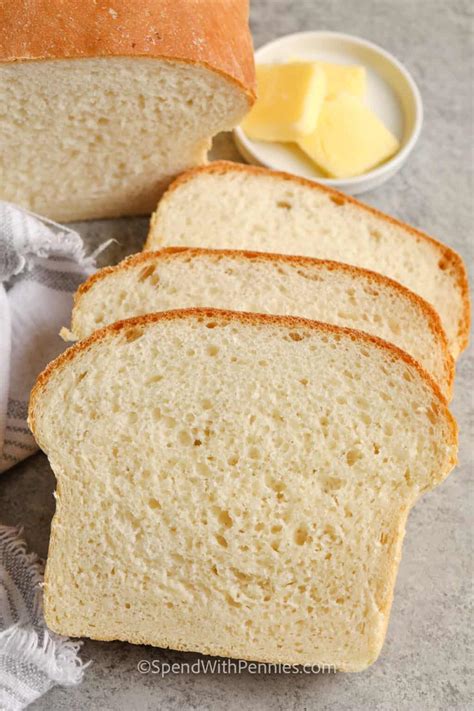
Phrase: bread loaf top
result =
(210, 33)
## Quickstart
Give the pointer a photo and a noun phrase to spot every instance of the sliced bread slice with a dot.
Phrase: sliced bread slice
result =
(243, 483)
(228, 205)
(178, 278)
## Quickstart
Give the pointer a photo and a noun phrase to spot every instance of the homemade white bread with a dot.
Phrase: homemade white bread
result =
(336, 293)
(228, 205)
(106, 102)
(235, 484)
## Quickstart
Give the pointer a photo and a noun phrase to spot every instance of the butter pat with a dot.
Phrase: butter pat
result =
(289, 100)
(349, 138)
(344, 77)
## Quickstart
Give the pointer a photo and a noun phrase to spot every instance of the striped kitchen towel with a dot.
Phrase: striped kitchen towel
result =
(41, 266)
(32, 659)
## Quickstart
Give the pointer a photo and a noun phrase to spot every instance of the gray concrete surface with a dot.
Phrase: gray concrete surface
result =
(426, 662)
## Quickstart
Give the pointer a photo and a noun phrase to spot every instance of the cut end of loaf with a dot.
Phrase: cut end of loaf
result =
(115, 133)
(296, 454)
(119, 100)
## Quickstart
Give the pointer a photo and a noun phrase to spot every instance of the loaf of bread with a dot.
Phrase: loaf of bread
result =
(336, 293)
(227, 205)
(106, 102)
(235, 484)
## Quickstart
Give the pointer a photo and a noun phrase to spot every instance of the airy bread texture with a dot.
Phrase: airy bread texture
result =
(227, 205)
(106, 105)
(242, 483)
(336, 293)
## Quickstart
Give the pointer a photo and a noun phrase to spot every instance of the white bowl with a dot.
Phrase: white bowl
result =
(391, 93)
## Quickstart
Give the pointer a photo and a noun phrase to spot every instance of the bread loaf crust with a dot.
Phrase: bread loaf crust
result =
(210, 33)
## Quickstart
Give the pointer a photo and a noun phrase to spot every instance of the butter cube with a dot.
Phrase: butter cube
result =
(288, 104)
(349, 138)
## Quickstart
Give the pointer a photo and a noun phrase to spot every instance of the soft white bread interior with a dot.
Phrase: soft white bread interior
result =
(103, 137)
(266, 283)
(104, 105)
(235, 484)
(227, 205)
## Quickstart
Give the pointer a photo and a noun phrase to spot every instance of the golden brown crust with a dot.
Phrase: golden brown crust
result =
(432, 318)
(210, 33)
(222, 318)
(448, 257)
